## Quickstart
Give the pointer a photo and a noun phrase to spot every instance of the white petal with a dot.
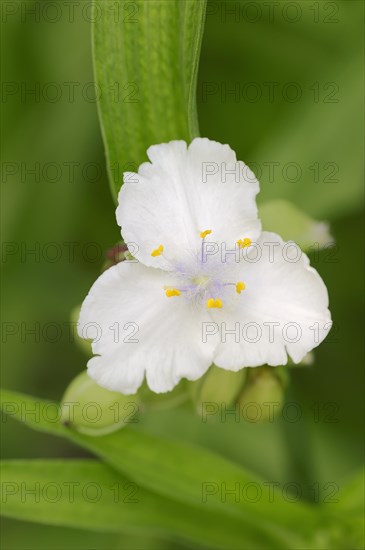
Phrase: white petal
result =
(139, 330)
(185, 191)
(278, 290)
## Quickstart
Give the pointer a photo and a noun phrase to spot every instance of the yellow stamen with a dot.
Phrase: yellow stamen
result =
(158, 251)
(172, 292)
(243, 243)
(240, 286)
(203, 234)
(217, 302)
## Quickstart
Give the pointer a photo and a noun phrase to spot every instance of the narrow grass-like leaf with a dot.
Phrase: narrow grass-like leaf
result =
(190, 474)
(90, 495)
(146, 56)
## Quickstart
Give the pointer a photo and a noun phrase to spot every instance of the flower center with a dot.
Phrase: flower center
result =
(201, 280)
(203, 287)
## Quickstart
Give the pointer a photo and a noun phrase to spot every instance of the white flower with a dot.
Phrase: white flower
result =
(204, 268)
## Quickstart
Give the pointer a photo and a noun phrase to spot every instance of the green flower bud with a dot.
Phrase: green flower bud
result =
(308, 359)
(291, 223)
(217, 386)
(84, 345)
(93, 410)
(263, 394)
(163, 401)
(115, 255)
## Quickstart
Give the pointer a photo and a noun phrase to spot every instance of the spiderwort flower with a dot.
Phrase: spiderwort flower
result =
(208, 286)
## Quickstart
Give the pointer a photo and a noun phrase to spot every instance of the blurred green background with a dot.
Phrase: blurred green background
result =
(283, 86)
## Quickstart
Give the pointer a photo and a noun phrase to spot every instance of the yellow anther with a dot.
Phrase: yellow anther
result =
(243, 243)
(203, 234)
(158, 251)
(240, 286)
(172, 292)
(214, 302)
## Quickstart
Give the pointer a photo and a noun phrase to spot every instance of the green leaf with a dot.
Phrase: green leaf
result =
(292, 224)
(188, 473)
(87, 494)
(348, 531)
(318, 154)
(304, 137)
(352, 495)
(146, 60)
(17, 534)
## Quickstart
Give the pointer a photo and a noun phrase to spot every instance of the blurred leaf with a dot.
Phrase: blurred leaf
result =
(347, 530)
(184, 472)
(352, 495)
(87, 494)
(40, 414)
(18, 535)
(21, 535)
(292, 224)
(298, 124)
(146, 61)
(323, 178)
